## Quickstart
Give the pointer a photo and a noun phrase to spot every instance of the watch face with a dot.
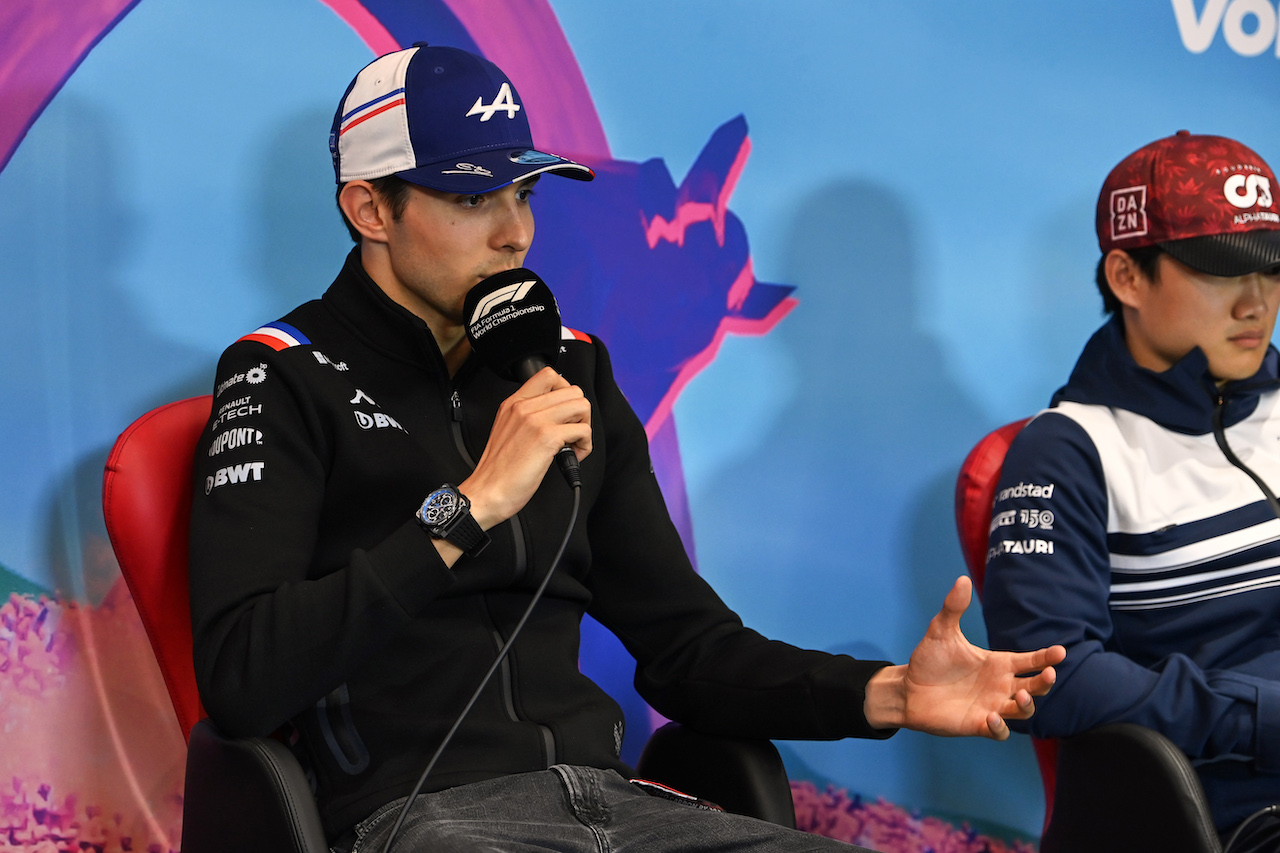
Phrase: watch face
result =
(439, 507)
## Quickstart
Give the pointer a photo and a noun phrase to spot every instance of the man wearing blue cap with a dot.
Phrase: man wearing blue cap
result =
(374, 516)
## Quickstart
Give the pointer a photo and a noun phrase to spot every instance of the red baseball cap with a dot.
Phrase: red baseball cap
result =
(1206, 200)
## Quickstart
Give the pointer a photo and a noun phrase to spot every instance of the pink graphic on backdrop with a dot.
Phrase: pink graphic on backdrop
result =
(93, 757)
(562, 114)
(41, 44)
(365, 25)
(880, 825)
(660, 272)
(689, 212)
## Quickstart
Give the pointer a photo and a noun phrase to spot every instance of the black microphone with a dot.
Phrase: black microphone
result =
(513, 324)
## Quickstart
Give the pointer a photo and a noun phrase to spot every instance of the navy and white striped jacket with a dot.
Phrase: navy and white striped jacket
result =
(1123, 530)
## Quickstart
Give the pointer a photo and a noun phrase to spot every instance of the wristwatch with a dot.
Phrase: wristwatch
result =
(446, 514)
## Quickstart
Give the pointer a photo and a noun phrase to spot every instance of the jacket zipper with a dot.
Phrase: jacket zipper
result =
(517, 530)
(522, 568)
(1220, 436)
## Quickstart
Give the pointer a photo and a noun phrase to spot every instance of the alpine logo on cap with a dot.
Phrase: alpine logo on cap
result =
(503, 102)
(1129, 212)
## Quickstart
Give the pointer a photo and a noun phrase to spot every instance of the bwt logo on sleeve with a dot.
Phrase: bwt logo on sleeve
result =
(234, 474)
(1249, 27)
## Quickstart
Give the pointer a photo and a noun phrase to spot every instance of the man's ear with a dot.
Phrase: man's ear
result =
(365, 210)
(1127, 280)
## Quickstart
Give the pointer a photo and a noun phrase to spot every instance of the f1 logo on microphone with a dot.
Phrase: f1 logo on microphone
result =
(501, 296)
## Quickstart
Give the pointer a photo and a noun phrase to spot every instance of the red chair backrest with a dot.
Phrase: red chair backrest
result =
(975, 497)
(146, 501)
(976, 494)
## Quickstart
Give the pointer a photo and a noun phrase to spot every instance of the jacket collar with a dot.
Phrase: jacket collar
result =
(378, 321)
(1181, 398)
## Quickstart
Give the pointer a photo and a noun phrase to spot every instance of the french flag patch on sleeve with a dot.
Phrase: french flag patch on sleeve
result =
(567, 334)
(278, 336)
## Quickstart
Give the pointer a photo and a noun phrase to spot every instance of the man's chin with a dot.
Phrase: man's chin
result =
(1236, 370)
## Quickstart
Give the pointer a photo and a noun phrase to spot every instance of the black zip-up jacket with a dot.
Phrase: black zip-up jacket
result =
(317, 598)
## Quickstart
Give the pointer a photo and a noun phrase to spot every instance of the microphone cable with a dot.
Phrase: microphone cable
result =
(502, 654)
(1235, 836)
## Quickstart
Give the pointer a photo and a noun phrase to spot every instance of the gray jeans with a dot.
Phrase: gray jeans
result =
(572, 810)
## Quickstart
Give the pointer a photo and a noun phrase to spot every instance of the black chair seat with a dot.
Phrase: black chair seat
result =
(741, 775)
(1123, 787)
(251, 795)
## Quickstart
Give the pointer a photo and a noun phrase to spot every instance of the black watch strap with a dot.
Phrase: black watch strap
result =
(446, 514)
(465, 532)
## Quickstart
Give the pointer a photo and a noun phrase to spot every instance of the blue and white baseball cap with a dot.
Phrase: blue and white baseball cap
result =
(441, 118)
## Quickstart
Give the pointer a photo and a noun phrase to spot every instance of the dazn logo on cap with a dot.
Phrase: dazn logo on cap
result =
(1129, 212)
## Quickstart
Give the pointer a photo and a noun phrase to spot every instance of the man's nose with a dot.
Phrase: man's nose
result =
(514, 227)
(1252, 301)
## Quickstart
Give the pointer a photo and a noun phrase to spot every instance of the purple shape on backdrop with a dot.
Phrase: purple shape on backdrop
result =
(387, 25)
(660, 273)
(41, 45)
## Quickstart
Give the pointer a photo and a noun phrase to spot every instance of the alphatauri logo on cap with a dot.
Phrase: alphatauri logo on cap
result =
(1247, 190)
(502, 102)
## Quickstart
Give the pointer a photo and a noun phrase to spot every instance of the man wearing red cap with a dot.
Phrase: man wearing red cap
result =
(374, 513)
(1136, 521)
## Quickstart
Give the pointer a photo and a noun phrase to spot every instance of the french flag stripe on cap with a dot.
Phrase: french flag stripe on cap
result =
(567, 334)
(278, 336)
(368, 116)
(348, 123)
